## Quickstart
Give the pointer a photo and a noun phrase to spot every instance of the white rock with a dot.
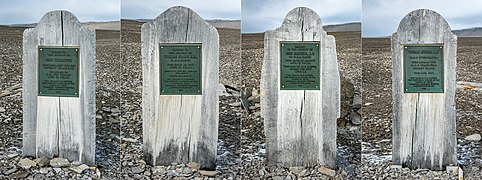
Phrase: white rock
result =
(79, 169)
(59, 162)
(473, 137)
(26, 163)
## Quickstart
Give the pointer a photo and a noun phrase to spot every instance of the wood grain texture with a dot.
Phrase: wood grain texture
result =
(424, 134)
(300, 125)
(180, 128)
(59, 126)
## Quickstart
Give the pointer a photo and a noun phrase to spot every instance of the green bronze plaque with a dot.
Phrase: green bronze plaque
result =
(423, 69)
(300, 65)
(180, 66)
(58, 71)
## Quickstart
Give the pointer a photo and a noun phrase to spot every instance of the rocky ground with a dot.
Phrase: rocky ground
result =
(349, 131)
(377, 112)
(12, 163)
(229, 119)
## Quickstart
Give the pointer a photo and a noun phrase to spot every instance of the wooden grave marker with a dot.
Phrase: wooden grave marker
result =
(59, 79)
(424, 54)
(300, 92)
(180, 109)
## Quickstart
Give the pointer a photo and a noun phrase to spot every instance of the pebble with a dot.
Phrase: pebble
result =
(79, 169)
(208, 173)
(19, 175)
(26, 163)
(137, 170)
(45, 170)
(473, 137)
(57, 170)
(158, 170)
(10, 171)
(193, 165)
(42, 161)
(327, 171)
(59, 162)
(2, 109)
(172, 173)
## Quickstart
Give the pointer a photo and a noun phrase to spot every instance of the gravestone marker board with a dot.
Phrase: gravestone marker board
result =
(300, 118)
(180, 55)
(424, 54)
(59, 89)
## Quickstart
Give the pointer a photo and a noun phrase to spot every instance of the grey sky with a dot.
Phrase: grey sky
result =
(30, 11)
(381, 17)
(207, 9)
(262, 15)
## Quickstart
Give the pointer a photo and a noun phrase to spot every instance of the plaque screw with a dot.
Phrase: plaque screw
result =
(40, 49)
(162, 46)
(198, 47)
(282, 44)
(198, 91)
(282, 86)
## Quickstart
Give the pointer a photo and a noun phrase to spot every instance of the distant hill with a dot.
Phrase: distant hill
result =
(109, 25)
(348, 27)
(218, 23)
(469, 32)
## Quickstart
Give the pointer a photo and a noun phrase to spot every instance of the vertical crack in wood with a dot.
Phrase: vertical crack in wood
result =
(187, 25)
(414, 128)
(302, 24)
(59, 117)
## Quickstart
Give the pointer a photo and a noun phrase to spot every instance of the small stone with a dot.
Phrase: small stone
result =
(105, 109)
(26, 163)
(327, 171)
(10, 156)
(158, 170)
(57, 170)
(137, 170)
(296, 169)
(303, 173)
(172, 173)
(115, 110)
(368, 104)
(473, 137)
(131, 140)
(42, 161)
(98, 117)
(59, 162)
(355, 118)
(10, 171)
(397, 167)
(79, 169)
(186, 170)
(45, 170)
(19, 175)
(193, 165)
(235, 104)
(2, 109)
(208, 173)
(76, 163)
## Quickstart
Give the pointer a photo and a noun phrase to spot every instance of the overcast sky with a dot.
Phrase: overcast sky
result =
(207, 9)
(381, 17)
(262, 15)
(30, 11)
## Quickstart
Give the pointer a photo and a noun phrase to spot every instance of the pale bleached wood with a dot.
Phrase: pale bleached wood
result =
(180, 128)
(300, 125)
(60, 126)
(424, 124)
